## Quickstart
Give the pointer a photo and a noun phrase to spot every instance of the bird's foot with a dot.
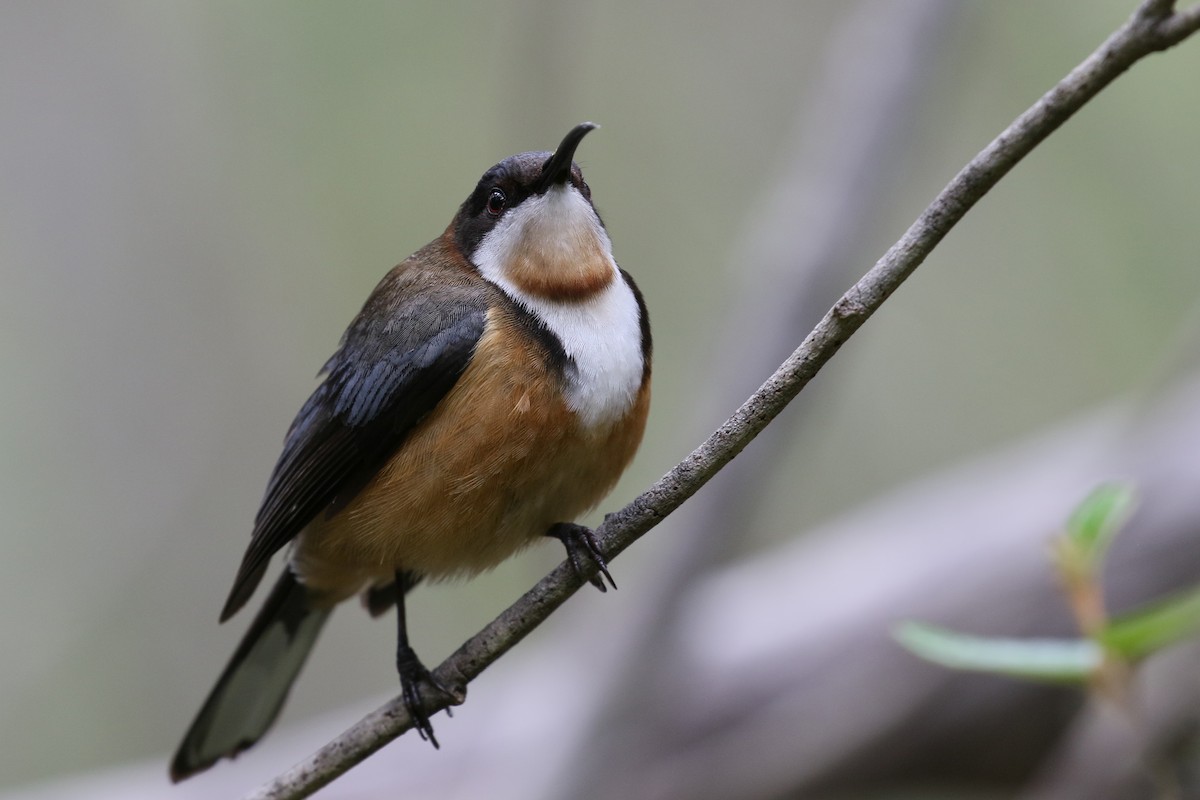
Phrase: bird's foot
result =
(415, 678)
(582, 547)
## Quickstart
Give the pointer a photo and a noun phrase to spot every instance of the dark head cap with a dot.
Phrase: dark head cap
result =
(512, 181)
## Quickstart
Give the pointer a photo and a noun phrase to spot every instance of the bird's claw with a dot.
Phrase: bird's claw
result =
(413, 676)
(582, 546)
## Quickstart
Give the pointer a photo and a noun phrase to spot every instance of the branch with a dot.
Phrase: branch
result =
(1154, 26)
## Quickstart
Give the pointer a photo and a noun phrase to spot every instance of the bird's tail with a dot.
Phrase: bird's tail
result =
(250, 692)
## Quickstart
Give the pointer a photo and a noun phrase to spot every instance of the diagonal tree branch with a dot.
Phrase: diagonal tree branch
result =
(1154, 26)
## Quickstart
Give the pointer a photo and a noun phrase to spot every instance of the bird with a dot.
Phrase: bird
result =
(492, 389)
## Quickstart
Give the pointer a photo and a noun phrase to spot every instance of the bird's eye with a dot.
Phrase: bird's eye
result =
(497, 201)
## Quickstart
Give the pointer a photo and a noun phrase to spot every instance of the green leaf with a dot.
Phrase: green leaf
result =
(1154, 627)
(1096, 520)
(1047, 660)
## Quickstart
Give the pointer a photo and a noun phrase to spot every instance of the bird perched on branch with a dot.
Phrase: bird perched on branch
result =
(492, 389)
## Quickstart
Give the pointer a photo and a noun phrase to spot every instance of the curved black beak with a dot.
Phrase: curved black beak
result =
(557, 169)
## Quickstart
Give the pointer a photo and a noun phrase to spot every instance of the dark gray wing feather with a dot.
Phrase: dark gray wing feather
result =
(402, 354)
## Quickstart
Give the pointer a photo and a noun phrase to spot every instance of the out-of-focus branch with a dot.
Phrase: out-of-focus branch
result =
(1154, 26)
(820, 703)
(807, 695)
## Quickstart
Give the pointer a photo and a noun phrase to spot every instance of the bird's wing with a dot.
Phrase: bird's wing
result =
(398, 359)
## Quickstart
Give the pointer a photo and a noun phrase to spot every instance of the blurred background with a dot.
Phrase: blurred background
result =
(195, 199)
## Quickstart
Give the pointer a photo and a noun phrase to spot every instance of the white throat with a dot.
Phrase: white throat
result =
(600, 334)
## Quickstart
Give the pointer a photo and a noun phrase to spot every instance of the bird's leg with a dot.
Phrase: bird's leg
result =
(581, 547)
(414, 674)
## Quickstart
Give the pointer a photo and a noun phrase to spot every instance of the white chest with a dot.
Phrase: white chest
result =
(602, 337)
(542, 254)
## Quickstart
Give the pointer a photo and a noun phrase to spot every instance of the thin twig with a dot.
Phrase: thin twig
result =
(1154, 26)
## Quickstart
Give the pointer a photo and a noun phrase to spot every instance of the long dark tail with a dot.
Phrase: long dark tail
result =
(250, 692)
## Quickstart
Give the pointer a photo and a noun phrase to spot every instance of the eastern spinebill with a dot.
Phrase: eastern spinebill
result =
(492, 389)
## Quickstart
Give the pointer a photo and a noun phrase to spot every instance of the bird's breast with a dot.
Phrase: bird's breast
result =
(517, 445)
